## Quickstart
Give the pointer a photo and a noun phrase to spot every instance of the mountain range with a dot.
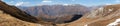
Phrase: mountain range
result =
(56, 12)
(107, 15)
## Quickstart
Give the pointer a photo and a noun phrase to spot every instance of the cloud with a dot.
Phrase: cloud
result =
(10, 3)
(46, 1)
(108, 4)
(22, 3)
(65, 4)
(19, 3)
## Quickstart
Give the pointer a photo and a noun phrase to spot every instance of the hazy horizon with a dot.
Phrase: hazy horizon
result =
(64, 2)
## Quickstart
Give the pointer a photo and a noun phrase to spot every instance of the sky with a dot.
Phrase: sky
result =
(64, 2)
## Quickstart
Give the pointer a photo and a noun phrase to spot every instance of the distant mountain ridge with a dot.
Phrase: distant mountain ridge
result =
(13, 16)
(108, 15)
(56, 11)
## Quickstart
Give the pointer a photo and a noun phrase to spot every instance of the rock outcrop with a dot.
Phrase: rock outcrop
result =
(104, 16)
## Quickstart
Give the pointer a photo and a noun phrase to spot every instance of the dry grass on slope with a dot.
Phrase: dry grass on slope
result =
(8, 20)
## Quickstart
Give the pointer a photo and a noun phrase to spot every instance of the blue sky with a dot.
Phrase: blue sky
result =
(64, 2)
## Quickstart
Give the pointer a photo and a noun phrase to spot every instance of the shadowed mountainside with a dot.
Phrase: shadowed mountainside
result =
(12, 16)
(14, 11)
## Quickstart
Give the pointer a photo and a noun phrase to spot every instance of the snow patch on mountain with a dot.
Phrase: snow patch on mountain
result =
(114, 23)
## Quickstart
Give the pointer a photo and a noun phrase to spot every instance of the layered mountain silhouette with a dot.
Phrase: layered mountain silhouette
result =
(56, 13)
(53, 10)
(108, 15)
(12, 16)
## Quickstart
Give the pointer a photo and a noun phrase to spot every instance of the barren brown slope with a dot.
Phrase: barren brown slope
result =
(8, 20)
(15, 15)
(16, 12)
(104, 16)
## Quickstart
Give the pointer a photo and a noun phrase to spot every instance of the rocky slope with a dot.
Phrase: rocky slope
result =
(16, 12)
(104, 16)
(12, 16)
